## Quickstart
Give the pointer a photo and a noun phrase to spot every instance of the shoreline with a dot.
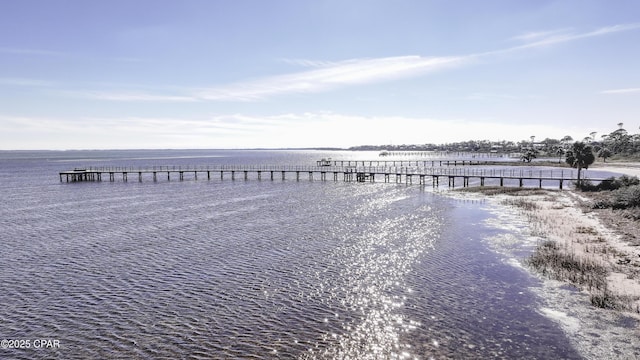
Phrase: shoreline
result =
(587, 237)
(593, 288)
(598, 236)
(602, 322)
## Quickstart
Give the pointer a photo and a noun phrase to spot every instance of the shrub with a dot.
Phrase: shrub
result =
(626, 197)
(609, 184)
(628, 180)
(585, 185)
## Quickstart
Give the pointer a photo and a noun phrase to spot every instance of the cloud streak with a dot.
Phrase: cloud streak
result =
(324, 76)
(546, 38)
(621, 91)
(331, 76)
(536, 35)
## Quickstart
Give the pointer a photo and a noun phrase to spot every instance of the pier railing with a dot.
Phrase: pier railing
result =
(407, 174)
(518, 172)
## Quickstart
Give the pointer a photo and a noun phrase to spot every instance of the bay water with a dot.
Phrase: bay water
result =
(259, 269)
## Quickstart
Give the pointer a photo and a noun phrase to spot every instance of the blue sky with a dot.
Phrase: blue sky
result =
(81, 74)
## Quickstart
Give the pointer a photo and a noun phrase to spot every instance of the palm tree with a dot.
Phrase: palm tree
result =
(580, 156)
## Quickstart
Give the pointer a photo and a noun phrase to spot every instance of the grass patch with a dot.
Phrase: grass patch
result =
(504, 190)
(586, 230)
(521, 203)
(550, 261)
(605, 299)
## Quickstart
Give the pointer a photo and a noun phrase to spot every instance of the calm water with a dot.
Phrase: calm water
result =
(253, 269)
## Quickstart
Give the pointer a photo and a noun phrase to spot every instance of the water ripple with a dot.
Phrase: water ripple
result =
(224, 269)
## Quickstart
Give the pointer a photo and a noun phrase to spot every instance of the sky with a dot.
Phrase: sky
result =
(156, 74)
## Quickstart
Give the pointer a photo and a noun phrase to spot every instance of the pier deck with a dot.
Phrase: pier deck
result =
(408, 163)
(401, 174)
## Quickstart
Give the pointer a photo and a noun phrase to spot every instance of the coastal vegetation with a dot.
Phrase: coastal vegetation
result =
(574, 248)
(618, 194)
(617, 145)
(589, 236)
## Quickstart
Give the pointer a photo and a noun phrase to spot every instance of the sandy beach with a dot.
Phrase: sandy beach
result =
(594, 290)
(589, 236)
(598, 236)
(615, 241)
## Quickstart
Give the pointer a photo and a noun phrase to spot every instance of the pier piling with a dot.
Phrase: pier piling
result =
(403, 174)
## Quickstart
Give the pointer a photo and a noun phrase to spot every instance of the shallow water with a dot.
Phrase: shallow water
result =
(254, 269)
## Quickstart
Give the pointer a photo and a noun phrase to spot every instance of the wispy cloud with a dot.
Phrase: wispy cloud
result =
(537, 35)
(324, 76)
(545, 38)
(345, 73)
(621, 91)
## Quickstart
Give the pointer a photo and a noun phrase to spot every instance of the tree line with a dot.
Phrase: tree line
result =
(618, 143)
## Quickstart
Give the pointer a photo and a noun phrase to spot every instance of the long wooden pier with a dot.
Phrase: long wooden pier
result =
(416, 163)
(398, 174)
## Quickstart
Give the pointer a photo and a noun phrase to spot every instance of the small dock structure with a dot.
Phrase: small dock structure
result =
(465, 176)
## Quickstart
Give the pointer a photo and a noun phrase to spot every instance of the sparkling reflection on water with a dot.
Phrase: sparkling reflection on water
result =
(260, 269)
